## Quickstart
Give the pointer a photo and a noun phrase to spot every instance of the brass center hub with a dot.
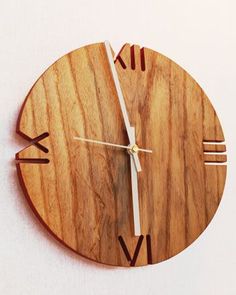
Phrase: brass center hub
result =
(134, 149)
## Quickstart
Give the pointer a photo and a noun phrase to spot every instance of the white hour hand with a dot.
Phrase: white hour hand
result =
(134, 187)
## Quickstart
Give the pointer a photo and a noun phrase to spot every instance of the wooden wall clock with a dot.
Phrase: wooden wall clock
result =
(126, 157)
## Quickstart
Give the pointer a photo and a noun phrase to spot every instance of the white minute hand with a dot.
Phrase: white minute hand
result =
(122, 103)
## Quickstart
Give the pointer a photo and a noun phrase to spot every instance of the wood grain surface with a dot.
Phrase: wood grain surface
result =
(82, 192)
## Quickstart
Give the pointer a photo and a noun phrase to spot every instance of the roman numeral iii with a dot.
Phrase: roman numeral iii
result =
(214, 152)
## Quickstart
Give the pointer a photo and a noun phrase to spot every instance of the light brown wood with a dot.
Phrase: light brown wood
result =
(81, 191)
(214, 147)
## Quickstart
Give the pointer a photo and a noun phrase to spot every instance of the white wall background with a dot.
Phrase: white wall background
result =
(200, 35)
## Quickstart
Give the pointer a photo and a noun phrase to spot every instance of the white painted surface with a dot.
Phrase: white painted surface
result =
(200, 36)
(134, 188)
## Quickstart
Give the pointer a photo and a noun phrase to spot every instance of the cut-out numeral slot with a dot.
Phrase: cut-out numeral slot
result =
(214, 152)
(122, 63)
(132, 260)
(32, 160)
(142, 59)
(35, 142)
(135, 54)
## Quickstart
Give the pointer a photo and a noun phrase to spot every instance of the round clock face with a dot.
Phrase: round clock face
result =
(126, 157)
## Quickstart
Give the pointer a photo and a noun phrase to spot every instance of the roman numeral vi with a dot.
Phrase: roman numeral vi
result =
(132, 260)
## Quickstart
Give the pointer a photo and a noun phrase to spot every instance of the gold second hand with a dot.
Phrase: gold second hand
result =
(133, 149)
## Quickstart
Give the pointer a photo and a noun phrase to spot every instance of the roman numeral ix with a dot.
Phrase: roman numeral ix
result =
(35, 142)
(132, 260)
